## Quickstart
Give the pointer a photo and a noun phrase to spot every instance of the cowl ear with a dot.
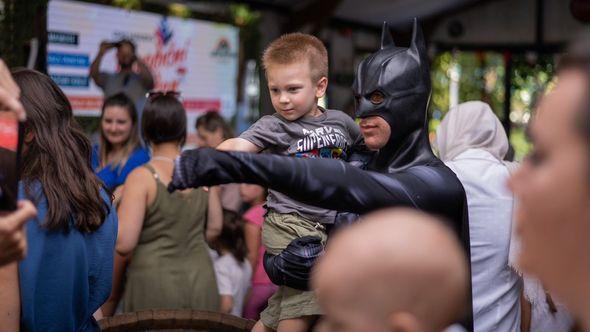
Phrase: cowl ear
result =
(418, 45)
(386, 39)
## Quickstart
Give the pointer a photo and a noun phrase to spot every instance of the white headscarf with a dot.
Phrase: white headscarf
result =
(471, 125)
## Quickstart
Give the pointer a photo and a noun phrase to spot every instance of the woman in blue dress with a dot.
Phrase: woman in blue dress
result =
(120, 150)
(67, 273)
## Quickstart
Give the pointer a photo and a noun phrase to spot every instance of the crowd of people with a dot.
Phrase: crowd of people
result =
(340, 225)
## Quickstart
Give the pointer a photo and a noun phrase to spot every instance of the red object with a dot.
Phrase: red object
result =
(8, 133)
(201, 105)
(85, 103)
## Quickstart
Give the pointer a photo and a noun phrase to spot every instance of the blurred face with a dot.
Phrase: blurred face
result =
(209, 138)
(376, 132)
(125, 56)
(292, 91)
(342, 318)
(552, 189)
(345, 308)
(251, 193)
(116, 125)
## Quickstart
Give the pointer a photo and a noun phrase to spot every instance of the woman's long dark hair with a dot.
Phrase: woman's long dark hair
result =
(58, 156)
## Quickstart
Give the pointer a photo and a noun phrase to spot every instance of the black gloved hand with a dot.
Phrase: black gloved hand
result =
(293, 265)
(184, 176)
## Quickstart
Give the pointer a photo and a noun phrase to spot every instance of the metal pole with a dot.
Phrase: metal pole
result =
(507, 91)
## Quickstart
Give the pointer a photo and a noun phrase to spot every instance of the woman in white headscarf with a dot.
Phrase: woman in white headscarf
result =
(472, 142)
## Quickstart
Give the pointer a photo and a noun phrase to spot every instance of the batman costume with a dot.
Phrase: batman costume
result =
(394, 84)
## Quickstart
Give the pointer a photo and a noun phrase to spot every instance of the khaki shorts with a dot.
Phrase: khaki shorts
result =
(278, 231)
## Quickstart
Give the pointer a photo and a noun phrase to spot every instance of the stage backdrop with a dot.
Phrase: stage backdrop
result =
(198, 58)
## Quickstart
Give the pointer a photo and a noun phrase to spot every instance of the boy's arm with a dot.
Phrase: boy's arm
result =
(238, 144)
(261, 135)
(325, 183)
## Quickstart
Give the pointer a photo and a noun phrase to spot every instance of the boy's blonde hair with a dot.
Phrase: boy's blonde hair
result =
(294, 47)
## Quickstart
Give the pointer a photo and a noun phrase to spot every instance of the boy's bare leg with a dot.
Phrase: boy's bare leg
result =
(299, 324)
(259, 327)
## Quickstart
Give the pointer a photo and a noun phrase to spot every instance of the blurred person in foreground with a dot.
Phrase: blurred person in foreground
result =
(553, 187)
(66, 275)
(166, 233)
(13, 242)
(375, 275)
(135, 84)
(212, 130)
(120, 150)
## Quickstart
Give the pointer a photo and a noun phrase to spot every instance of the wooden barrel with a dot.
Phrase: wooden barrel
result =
(175, 320)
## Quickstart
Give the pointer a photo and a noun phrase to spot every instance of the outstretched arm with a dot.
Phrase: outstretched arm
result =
(238, 144)
(325, 183)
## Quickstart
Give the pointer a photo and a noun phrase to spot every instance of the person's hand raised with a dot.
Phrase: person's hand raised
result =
(105, 46)
(10, 94)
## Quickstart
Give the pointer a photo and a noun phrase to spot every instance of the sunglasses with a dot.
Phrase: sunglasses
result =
(160, 93)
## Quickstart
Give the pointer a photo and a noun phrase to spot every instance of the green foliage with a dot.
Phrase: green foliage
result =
(127, 4)
(179, 10)
(520, 142)
(482, 78)
(248, 21)
(530, 76)
(243, 16)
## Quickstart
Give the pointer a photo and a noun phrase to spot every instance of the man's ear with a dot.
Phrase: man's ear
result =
(402, 321)
(321, 87)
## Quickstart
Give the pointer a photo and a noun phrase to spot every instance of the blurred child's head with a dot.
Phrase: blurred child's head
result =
(212, 129)
(296, 67)
(252, 193)
(232, 238)
(376, 277)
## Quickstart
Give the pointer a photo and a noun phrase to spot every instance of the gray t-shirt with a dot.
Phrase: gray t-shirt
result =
(128, 83)
(326, 136)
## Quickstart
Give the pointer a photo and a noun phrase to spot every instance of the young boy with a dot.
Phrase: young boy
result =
(296, 67)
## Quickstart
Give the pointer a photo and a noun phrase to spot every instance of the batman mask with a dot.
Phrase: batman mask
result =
(394, 84)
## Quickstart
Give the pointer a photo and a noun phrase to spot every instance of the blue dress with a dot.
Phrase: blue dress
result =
(66, 275)
(115, 176)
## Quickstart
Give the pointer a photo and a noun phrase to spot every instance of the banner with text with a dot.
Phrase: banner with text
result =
(197, 58)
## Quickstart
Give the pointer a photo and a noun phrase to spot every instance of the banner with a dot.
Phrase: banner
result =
(197, 58)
